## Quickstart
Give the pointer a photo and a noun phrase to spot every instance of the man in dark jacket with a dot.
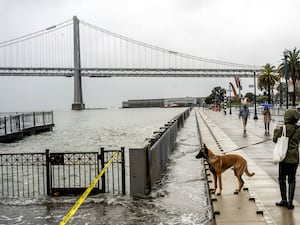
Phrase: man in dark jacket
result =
(288, 167)
(244, 113)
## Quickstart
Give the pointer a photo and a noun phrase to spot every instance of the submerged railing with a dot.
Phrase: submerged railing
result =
(15, 126)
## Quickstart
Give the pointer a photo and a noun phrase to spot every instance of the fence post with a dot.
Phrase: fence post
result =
(10, 123)
(48, 173)
(19, 123)
(5, 127)
(102, 166)
(33, 114)
(44, 118)
(23, 121)
(123, 170)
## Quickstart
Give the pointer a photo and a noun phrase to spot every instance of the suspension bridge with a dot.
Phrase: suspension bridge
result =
(75, 48)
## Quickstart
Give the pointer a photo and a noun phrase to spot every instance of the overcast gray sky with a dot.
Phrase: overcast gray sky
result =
(251, 32)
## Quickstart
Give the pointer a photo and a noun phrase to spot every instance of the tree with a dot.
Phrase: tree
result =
(267, 79)
(293, 64)
(250, 96)
(217, 94)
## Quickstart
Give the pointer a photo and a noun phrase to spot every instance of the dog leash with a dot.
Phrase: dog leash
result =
(257, 143)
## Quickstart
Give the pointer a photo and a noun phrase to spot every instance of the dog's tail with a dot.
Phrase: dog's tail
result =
(248, 173)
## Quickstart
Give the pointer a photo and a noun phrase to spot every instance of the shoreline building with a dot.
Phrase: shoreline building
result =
(163, 102)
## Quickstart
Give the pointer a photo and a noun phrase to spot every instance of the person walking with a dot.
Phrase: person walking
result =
(267, 118)
(288, 167)
(244, 113)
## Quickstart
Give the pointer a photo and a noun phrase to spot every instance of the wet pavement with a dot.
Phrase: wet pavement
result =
(226, 135)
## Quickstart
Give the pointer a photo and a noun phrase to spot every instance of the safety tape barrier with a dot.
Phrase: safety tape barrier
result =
(87, 191)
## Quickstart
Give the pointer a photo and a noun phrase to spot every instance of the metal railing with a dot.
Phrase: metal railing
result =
(23, 175)
(55, 174)
(113, 180)
(21, 122)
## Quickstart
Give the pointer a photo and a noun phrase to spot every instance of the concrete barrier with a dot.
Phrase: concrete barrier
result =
(149, 162)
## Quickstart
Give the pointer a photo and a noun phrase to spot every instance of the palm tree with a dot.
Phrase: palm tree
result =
(293, 63)
(267, 79)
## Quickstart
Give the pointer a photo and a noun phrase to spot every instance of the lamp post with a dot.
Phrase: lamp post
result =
(285, 53)
(255, 111)
(280, 94)
(229, 100)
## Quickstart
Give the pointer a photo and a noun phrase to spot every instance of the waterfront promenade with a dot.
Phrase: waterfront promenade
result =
(257, 205)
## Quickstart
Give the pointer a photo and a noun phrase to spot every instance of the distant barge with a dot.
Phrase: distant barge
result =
(163, 102)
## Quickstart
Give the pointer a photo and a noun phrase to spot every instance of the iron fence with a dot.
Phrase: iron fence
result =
(113, 180)
(23, 175)
(55, 174)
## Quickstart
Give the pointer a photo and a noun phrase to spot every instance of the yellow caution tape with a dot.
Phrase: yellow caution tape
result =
(87, 191)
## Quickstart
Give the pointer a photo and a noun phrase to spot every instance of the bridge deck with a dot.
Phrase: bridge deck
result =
(129, 72)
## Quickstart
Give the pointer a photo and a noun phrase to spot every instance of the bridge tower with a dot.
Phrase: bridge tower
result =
(78, 102)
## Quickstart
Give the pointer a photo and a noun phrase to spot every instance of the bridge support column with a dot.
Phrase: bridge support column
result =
(78, 102)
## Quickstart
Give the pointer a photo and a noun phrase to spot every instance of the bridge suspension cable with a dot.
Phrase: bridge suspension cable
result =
(35, 34)
(50, 47)
(170, 52)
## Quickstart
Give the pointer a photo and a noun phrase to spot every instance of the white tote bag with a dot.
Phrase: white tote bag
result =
(281, 147)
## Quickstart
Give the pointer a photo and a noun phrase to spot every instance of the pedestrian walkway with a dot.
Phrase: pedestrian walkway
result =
(225, 135)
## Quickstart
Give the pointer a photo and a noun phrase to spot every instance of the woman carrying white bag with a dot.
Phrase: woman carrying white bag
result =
(288, 166)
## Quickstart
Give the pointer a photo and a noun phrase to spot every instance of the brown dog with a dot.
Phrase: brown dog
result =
(218, 164)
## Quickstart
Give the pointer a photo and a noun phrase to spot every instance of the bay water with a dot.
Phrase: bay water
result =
(179, 198)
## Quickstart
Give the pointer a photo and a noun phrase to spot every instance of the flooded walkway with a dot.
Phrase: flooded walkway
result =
(179, 198)
(263, 186)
